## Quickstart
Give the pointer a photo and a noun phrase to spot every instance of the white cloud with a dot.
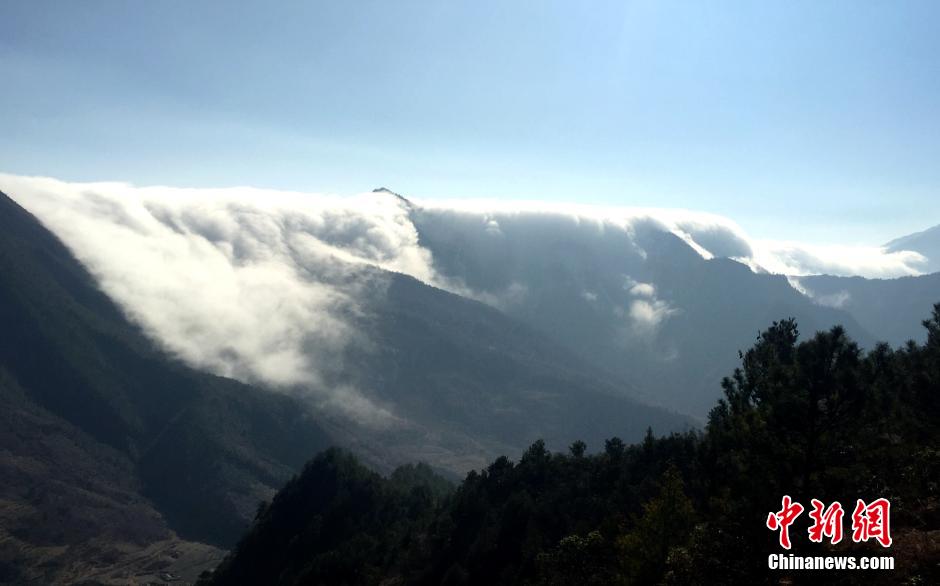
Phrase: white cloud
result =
(794, 258)
(646, 311)
(252, 284)
(709, 235)
(797, 284)
(640, 289)
(492, 227)
(263, 285)
(647, 314)
(837, 299)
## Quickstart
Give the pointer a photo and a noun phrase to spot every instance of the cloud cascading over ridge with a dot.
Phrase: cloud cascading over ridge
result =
(265, 285)
(252, 284)
(874, 262)
(710, 235)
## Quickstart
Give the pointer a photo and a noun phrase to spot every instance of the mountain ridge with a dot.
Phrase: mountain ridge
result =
(926, 242)
(73, 364)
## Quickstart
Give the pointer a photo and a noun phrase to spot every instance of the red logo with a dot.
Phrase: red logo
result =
(783, 519)
(871, 521)
(826, 522)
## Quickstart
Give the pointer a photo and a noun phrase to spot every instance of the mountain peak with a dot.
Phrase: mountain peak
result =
(925, 242)
(390, 192)
(897, 243)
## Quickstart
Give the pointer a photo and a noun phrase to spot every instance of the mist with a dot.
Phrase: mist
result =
(270, 286)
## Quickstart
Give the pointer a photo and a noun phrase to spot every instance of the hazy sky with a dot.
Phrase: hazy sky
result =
(817, 121)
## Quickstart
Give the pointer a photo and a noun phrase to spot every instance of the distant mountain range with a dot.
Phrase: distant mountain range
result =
(926, 243)
(401, 331)
(643, 304)
(889, 309)
(135, 448)
(886, 307)
(655, 303)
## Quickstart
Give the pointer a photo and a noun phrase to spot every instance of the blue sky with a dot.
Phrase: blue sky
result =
(814, 121)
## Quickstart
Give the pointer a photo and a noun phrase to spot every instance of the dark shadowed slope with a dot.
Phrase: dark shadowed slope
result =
(463, 381)
(469, 383)
(332, 522)
(203, 449)
(889, 308)
(818, 418)
(642, 304)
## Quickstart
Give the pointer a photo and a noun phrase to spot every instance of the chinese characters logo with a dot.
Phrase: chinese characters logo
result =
(869, 521)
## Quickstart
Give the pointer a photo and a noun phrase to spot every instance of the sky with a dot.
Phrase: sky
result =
(810, 121)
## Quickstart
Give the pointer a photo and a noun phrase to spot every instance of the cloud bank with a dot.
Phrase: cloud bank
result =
(709, 235)
(252, 284)
(268, 286)
(875, 262)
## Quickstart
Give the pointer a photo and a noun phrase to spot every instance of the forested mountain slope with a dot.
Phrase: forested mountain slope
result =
(817, 419)
(195, 452)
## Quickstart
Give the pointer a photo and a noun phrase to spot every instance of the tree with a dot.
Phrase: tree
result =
(578, 448)
(665, 524)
